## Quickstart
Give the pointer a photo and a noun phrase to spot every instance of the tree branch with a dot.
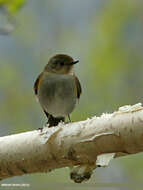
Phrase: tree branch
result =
(82, 146)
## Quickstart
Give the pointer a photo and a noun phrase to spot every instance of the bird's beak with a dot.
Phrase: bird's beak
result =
(74, 62)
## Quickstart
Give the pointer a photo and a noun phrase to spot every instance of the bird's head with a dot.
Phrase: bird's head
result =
(60, 64)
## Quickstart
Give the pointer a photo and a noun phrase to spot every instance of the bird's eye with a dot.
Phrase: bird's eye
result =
(61, 63)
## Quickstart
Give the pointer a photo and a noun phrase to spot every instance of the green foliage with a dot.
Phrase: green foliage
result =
(12, 5)
(112, 63)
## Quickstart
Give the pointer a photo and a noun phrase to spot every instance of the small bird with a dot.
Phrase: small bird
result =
(58, 89)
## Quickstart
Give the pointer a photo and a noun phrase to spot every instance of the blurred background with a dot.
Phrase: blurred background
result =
(106, 36)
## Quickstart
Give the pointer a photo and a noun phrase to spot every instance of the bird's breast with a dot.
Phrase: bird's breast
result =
(57, 94)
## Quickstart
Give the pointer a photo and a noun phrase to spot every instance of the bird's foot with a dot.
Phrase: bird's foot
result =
(67, 122)
(40, 129)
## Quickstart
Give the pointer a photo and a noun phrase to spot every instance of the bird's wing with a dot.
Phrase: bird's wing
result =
(78, 86)
(36, 84)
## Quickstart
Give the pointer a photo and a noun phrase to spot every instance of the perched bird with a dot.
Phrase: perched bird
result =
(58, 89)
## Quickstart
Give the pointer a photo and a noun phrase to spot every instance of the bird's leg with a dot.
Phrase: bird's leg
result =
(41, 128)
(69, 118)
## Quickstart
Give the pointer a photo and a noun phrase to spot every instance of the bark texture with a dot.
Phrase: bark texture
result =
(81, 146)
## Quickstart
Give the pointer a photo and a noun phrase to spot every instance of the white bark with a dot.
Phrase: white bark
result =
(85, 144)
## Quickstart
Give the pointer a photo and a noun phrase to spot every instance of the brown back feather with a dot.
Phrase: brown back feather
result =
(78, 86)
(36, 84)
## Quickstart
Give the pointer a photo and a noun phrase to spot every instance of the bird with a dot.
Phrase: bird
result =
(58, 89)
